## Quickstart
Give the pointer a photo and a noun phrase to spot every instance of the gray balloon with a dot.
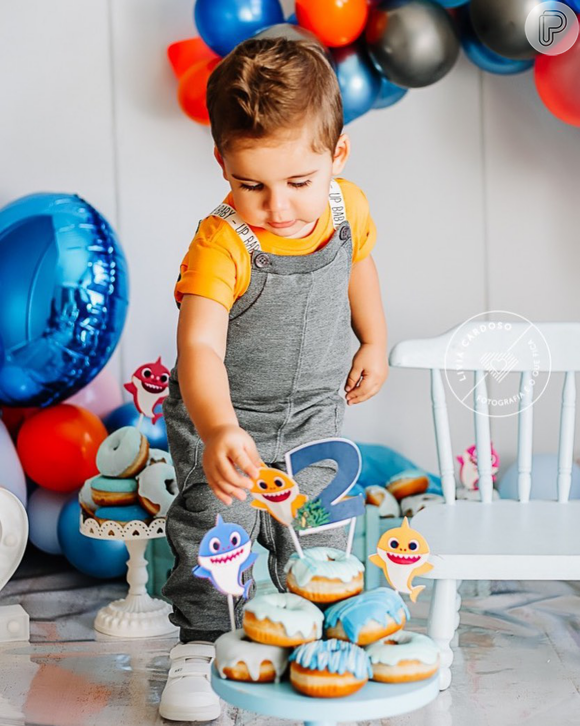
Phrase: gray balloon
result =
(294, 32)
(414, 43)
(500, 25)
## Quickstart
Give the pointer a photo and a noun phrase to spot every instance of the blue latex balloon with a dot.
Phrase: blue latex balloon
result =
(574, 4)
(63, 297)
(223, 24)
(389, 94)
(98, 558)
(544, 479)
(44, 510)
(482, 56)
(358, 79)
(127, 415)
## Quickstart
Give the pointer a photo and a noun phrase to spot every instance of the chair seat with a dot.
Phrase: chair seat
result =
(539, 540)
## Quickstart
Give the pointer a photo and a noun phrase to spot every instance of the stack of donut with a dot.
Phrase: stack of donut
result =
(333, 653)
(134, 481)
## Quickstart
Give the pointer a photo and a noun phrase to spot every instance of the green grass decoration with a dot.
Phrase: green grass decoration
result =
(311, 514)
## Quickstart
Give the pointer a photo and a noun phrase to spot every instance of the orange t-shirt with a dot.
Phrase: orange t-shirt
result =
(218, 266)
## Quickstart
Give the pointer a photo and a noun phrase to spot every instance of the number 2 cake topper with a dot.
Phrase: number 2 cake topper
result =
(149, 385)
(224, 553)
(403, 554)
(278, 492)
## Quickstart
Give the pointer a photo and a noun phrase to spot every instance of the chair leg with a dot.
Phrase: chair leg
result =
(442, 623)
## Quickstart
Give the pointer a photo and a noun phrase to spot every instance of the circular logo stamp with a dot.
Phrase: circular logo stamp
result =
(552, 28)
(498, 343)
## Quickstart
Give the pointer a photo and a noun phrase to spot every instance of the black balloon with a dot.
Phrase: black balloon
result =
(500, 25)
(414, 43)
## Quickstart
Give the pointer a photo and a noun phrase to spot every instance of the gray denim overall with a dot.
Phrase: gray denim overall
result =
(287, 357)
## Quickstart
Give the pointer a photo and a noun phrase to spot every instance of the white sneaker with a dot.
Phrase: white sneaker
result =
(188, 695)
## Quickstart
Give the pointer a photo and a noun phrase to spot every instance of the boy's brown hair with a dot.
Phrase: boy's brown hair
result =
(270, 84)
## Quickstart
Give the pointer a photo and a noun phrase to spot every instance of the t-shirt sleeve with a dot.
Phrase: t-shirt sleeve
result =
(216, 266)
(364, 231)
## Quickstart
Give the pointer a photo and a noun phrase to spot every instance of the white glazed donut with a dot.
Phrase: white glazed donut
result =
(158, 456)
(157, 488)
(410, 506)
(241, 659)
(403, 657)
(123, 453)
(282, 619)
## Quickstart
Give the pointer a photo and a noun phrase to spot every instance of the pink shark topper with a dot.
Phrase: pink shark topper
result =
(149, 386)
(468, 474)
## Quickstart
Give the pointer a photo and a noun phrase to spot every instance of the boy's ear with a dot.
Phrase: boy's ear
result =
(220, 161)
(341, 154)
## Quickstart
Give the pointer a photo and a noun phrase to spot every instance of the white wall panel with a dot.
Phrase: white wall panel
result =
(472, 183)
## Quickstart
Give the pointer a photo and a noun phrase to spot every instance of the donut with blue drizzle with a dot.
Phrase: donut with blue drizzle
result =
(329, 668)
(367, 617)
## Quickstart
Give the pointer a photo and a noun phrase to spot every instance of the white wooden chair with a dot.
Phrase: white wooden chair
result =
(505, 539)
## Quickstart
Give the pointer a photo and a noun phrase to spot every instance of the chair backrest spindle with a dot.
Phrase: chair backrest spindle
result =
(566, 445)
(443, 436)
(482, 437)
(525, 438)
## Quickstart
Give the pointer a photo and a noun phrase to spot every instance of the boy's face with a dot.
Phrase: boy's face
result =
(280, 183)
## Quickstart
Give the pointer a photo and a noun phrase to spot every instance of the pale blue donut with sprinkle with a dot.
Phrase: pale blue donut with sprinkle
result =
(335, 656)
(354, 613)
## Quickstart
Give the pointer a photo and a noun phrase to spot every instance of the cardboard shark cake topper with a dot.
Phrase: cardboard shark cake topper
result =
(403, 554)
(149, 386)
(224, 553)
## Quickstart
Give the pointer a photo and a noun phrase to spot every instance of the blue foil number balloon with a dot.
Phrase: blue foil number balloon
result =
(63, 297)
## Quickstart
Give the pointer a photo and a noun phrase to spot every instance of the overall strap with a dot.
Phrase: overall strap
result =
(243, 230)
(336, 204)
(249, 239)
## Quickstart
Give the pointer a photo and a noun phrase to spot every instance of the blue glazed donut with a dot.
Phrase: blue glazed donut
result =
(329, 668)
(123, 454)
(107, 492)
(122, 514)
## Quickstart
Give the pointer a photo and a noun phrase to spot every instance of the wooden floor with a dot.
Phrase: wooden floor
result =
(518, 662)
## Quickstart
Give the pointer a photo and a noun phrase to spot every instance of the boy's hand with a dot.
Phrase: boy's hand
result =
(226, 448)
(369, 371)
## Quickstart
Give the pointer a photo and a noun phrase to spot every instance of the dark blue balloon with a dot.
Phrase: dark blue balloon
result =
(95, 557)
(574, 4)
(358, 79)
(389, 94)
(482, 56)
(127, 415)
(63, 297)
(223, 24)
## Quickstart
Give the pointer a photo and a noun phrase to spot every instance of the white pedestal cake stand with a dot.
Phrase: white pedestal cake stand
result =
(138, 615)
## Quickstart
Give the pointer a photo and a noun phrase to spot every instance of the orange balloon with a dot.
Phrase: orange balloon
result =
(192, 90)
(58, 446)
(185, 53)
(335, 22)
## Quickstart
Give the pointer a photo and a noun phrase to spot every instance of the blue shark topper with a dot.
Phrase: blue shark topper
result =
(224, 553)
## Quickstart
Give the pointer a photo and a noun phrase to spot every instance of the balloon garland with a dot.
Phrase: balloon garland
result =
(381, 48)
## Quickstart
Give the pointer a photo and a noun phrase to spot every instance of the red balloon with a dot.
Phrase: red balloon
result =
(558, 83)
(192, 90)
(335, 22)
(14, 418)
(185, 53)
(58, 446)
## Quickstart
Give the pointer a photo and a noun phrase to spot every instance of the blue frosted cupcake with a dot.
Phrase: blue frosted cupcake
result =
(366, 618)
(329, 669)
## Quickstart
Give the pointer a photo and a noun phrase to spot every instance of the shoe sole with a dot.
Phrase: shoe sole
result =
(207, 713)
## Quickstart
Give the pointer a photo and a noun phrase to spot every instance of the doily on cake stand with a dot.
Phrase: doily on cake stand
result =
(138, 615)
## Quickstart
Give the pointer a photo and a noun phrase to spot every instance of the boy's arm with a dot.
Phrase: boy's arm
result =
(203, 381)
(370, 367)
